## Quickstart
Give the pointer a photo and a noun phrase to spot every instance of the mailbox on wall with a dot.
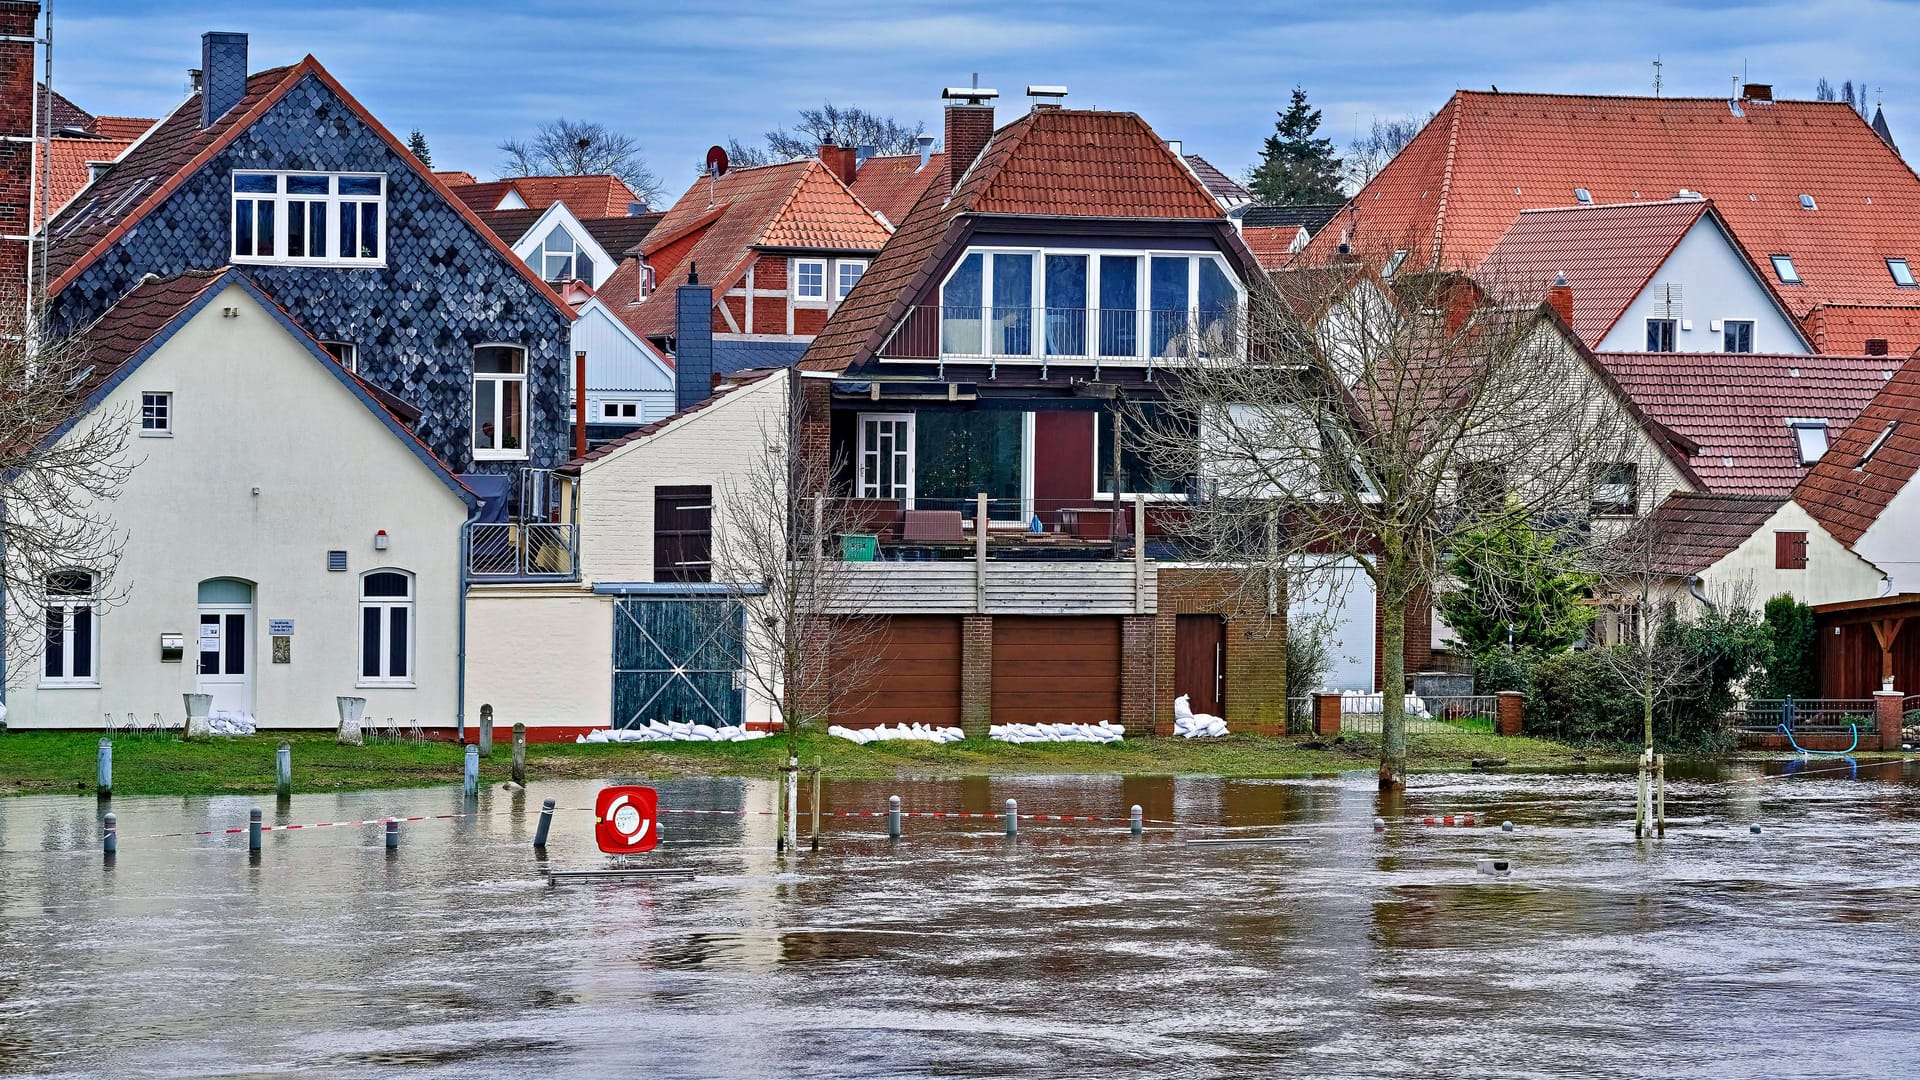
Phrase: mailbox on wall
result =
(172, 648)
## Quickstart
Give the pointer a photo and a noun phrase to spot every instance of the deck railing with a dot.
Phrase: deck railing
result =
(1051, 335)
(523, 551)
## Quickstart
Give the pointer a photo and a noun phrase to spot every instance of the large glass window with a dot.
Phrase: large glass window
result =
(1119, 305)
(961, 299)
(386, 628)
(309, 217)
(1139, 473)
(72, 631)
(499, 401)
(886, 456)
(1066, 291)
(958, 455)
(1012, 318)
(563, 259)
(1168, 298)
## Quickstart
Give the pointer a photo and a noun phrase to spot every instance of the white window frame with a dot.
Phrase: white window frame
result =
(1905, 269)
(346, 352)
(1802, 429)
(386, 605)
(862, 475)
(281, 198)
(1037, 306)
(573, 258)
(68, 604)
(504, 382)
(1753, 332)
(616, 409)
(156, 403)
(841, 287)
(1675, 324)
(800, 295)
(1784, 269)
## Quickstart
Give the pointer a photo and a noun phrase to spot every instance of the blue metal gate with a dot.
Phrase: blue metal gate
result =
(677, 659)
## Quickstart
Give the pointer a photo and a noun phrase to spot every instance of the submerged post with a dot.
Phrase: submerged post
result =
(471, 777)
(546, 823)
(283, 769)
(1138, 823)
(893, 817)
(1013, 817)
(393, 834)
(110, 836)
(1660, 795)
(103, 770)
(253, 829)
(486, 730)
(816, 802)
(520, 754)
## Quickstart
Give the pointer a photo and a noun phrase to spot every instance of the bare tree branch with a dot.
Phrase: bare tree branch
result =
(581, 148)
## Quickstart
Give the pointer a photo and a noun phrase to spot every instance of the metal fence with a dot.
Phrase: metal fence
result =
(523, 550)
(1425, 716)
(1813, 715)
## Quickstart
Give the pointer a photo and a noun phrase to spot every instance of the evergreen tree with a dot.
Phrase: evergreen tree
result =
(1510, 575)
(1295, 168)
(1793, 649)
(417, 143)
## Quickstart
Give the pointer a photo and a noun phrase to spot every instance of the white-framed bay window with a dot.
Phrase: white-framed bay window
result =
(70, 653)
(1083, 304)
(886, 456)
(499, 402)
(309, 218)
(386, 628)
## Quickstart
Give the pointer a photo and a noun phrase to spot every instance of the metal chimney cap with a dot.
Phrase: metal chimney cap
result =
(1046, 91)
(973, 95)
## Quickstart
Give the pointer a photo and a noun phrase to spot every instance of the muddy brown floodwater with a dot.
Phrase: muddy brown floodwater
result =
(1075, 951)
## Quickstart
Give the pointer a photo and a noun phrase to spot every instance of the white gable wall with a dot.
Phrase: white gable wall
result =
(273, 462)
(620, 367)
(1893, 541)
(1832, 574)
(1716, 283)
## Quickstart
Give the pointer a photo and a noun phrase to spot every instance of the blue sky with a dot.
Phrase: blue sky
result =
(684, 76)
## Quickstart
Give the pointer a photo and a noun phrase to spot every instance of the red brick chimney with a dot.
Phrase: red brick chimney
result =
(1560, 299)
(19, 20)
(969, 127)
(1462, 298)
(842, 161)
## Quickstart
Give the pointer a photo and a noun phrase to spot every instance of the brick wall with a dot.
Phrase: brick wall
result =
(1139, 696)
(976, 673)
(816, 423)
(1256, 659)
(1419, 634)
(968, 128)
(17, 20)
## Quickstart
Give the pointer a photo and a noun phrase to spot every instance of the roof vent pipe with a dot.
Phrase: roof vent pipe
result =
(925, 143)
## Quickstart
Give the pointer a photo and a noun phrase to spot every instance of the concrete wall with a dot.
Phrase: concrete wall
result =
(255, 410)
(541, 655)
(1716, 283)
(1833, 573)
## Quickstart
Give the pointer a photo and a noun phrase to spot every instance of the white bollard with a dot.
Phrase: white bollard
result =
(893, 817)
(198, 706)
(351, 709)
(471, 777)
(1013, 817)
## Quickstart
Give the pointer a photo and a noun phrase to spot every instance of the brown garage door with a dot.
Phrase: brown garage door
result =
(1055, 670)
(906, 671)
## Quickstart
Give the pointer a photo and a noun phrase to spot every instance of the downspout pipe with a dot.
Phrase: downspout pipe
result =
(460, 654)
(1696, 588)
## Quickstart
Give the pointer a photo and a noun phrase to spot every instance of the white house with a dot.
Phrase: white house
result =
(286, 539)
(1747, 549)
(1862, 491)
(633, 638)
(1648, 277)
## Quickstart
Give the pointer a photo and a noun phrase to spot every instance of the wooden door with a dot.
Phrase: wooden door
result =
(1200, 662)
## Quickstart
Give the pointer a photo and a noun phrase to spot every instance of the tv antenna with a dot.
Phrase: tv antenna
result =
(1657, 65)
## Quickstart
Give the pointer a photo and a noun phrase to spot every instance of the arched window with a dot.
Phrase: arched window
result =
(72, 648)
(499, 402)
(386, 628)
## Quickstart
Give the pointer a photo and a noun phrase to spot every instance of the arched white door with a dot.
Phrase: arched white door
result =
(225, 644)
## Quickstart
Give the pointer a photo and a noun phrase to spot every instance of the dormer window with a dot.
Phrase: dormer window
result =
(562, 259)
(1783, 269)
(1810, 438)
(1393, 263)
(1902, 273)
(329, 219)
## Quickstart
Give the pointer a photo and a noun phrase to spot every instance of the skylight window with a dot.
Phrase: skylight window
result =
(1811, 437)
(1783, 269)
(1902, 273)
(1806, 203)
(1581, 194)
(1878, 441)
(1393, 264)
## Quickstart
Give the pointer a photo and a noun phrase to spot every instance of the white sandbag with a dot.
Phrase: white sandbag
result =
(1182, 708)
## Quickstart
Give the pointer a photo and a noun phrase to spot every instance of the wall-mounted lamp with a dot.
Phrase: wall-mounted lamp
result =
(380, 540)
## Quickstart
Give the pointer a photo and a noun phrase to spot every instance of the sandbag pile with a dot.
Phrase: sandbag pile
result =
(907, 732)
(1106, 731)
(1191, 725)
(655, 731)
(230, 722)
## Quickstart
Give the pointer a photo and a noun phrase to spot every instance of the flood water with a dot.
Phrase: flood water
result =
(1075, 951)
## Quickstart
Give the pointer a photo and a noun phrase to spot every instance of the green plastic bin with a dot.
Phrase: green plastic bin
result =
(859, 547)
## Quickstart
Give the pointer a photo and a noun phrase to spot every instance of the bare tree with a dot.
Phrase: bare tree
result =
(581, 148)
(1369, 153)
(63, 469)
(1349, 420)
(840, 126)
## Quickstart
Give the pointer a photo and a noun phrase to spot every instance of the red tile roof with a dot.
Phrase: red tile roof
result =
(794, 204)
(1693, 531)
(126, 327)
(1608, 254)
(890, 185)
(1050, 162)
(586, 196)
(1736, 407)
(178, 146)
(1846, 328)
(1847, 495)
(69, 172)
(481, 198)
(456, 178)
(122, 127)
(1271, 244)
(1487, 156)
